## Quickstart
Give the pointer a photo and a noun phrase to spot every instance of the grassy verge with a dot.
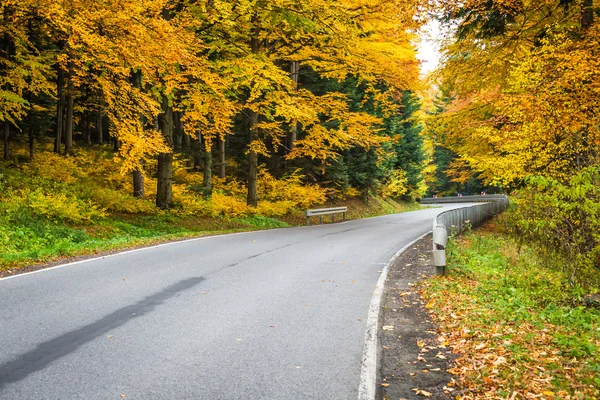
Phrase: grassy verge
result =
(54, 207)
(521, 331)
(31, 239)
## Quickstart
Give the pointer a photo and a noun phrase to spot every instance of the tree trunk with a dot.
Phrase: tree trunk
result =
(187, 149)
(207, 182)
(252, 199)
(99, 127)
(31, 138)
(587, 13)
(87, 139)
(197, 153)
(6, 140)
(294, 74)
(187, 143)
(59, 110)
(178, 132)
(138, 182)
(222, 164)
(6, 49)
(69, 119)
(138, 174)
(164, 190)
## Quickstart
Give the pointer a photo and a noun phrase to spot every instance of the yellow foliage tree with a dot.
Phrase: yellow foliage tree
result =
(525, 77)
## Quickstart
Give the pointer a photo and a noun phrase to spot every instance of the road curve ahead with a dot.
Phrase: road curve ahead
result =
(275, 314)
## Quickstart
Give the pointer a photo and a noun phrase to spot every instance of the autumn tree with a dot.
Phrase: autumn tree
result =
(524, 75)
(334, 39)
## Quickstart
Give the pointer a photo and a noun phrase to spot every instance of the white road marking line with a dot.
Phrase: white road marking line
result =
(129, 252)
(172, 243)
(368, 371)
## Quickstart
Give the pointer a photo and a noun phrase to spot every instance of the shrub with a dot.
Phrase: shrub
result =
(229, 206)
(290, 189)
(563, 220)
(116, 201)
(59, 207)
(396, 185)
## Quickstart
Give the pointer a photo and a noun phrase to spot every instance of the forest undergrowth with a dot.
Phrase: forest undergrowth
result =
(58, 207)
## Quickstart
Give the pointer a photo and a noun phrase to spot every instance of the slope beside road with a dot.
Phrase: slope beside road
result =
(277, 314)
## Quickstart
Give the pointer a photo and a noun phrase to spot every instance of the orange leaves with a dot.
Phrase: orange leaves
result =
(506, 351)
(524, 97)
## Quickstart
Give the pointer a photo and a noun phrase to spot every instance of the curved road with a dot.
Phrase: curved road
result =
(276, 314)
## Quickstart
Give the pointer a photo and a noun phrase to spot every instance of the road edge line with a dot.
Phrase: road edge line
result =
(170, 243)
(367, 389)
(124, 252)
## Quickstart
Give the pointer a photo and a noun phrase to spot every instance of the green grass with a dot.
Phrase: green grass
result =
(261, 222)
(56, 207)
(514, 307)
(26, 238)
(31, 240)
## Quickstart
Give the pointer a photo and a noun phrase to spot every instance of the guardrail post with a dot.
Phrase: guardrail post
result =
(440, 240)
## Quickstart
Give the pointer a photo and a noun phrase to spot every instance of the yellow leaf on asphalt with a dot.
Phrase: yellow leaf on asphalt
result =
(385, 384)
(423, 392)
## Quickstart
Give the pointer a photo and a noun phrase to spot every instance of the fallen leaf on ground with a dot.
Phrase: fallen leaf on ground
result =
(423, 392)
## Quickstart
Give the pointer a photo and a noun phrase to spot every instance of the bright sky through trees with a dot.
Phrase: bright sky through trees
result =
(428, 49)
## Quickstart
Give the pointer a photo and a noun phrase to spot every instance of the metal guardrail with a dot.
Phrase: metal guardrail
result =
(464, 199)
(454, 221)
(325, 211)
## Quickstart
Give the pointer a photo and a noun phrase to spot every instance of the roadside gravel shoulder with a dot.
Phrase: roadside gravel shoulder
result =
(413, 361)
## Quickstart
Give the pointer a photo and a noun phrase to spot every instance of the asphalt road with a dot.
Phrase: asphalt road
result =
(275, 314)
